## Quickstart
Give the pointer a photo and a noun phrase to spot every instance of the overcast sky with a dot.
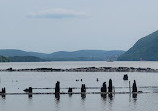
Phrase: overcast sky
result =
(69, 25)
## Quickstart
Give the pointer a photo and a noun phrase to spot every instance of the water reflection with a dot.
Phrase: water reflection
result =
(134, 96)
(70, 94)
(83, 96)
(3, 96)
(110, 101)
(104, 96)
(110, 96)
(30, 95)
(57, 101)
(57, 96)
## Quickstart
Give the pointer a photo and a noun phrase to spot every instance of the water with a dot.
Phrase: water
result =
(18, 81)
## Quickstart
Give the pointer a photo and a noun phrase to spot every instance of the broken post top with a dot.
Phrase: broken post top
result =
(83, 88)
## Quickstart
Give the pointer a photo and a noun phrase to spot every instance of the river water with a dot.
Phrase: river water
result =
(16, 82)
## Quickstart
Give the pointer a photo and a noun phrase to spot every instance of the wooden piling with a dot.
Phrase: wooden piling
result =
(57, 87)
(83, 88)
(30, 90)
(70, 90)
(104, 88)
(129, 86)
(110, 86)
(134, 87)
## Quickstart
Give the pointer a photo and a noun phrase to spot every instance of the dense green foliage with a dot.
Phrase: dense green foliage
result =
(25, 59)
(3, 59)
(145, 48)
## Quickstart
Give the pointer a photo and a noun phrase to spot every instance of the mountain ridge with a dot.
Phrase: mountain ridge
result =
(66, 55)
(145, 49)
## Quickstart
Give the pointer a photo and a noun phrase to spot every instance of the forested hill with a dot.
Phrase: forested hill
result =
(3, 59)
(80, 55)
(145, 49)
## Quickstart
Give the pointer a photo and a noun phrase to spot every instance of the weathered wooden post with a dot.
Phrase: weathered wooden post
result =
(110, 89)
(83, 88)
(3, 92)
(134, 87)
(134, 90)
(70, 91)
(110, 86)
(30, 92)
(30, 89)
(125, 77)
(103, 88)
(57, 90)
(57, 87)
(129, 87)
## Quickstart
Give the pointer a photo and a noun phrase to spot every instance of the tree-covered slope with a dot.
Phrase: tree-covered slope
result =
(80, 55)
(145, 48)
(3, 59)
(15, 52)
(25, 59)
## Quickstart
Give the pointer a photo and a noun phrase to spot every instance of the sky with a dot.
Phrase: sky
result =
(68, 25)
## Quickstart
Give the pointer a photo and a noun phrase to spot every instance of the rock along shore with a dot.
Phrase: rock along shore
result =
(84, 69)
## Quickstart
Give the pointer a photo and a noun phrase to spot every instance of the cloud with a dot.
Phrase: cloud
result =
(57, 14)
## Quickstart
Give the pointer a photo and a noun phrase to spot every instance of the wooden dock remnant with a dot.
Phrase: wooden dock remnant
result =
(125, 77)
(134, 90)
(134, 87)
(3, 93)
(110, 86)
(30, 92)
(83, 88)
(70, 91)
(104, 88)
(57, 90)
(57, 87)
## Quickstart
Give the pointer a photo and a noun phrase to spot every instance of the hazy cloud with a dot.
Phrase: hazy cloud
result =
(57, 14)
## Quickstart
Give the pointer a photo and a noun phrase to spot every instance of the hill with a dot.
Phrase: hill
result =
(15, 52)
(25, 59)
(3, 59)
(86, 55)
(81, 55)
(145, 48)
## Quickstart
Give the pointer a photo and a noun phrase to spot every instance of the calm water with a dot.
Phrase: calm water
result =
(18, 81)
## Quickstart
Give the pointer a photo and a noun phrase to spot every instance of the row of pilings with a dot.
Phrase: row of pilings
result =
(103, 91)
